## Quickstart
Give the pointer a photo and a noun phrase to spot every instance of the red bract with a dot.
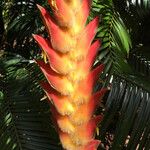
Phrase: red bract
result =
(70, 79)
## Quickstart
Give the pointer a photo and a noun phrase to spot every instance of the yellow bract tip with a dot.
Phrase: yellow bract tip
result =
(53, 4)
(44, 56)
(97, 131)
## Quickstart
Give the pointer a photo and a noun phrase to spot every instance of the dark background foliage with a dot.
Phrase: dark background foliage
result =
(25, 122)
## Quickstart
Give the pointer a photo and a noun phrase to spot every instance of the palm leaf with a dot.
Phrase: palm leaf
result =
(127, 115)
(115, 38)
(22, 23)
(139, 59)
(142, 6)
(25, 119)
(135, 14)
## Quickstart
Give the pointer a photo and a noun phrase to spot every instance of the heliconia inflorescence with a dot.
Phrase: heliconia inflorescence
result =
(70, 79)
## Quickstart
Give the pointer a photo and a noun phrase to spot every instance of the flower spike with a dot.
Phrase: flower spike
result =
(71, 52)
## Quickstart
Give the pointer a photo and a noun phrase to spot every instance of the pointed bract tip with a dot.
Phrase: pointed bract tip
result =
(93, 145)
(39, 6)
(33, 34)
(42, 9)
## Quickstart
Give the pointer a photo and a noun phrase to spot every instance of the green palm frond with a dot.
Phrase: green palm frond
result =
(135, 14)
(127, 107)
(141, 3)
(142, 6)
(25, 118)
(128, 115)
(140, 61)
(115, 38)
(21, 22)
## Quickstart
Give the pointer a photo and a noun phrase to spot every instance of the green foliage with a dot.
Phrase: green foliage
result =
(124, 32)
(115, 38)
(25, 118)
(135, 14)
(125, 52)
(22, 19)
(128, 105)
(139, 59)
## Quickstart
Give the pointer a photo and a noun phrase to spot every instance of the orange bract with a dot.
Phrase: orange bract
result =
(69, 73)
